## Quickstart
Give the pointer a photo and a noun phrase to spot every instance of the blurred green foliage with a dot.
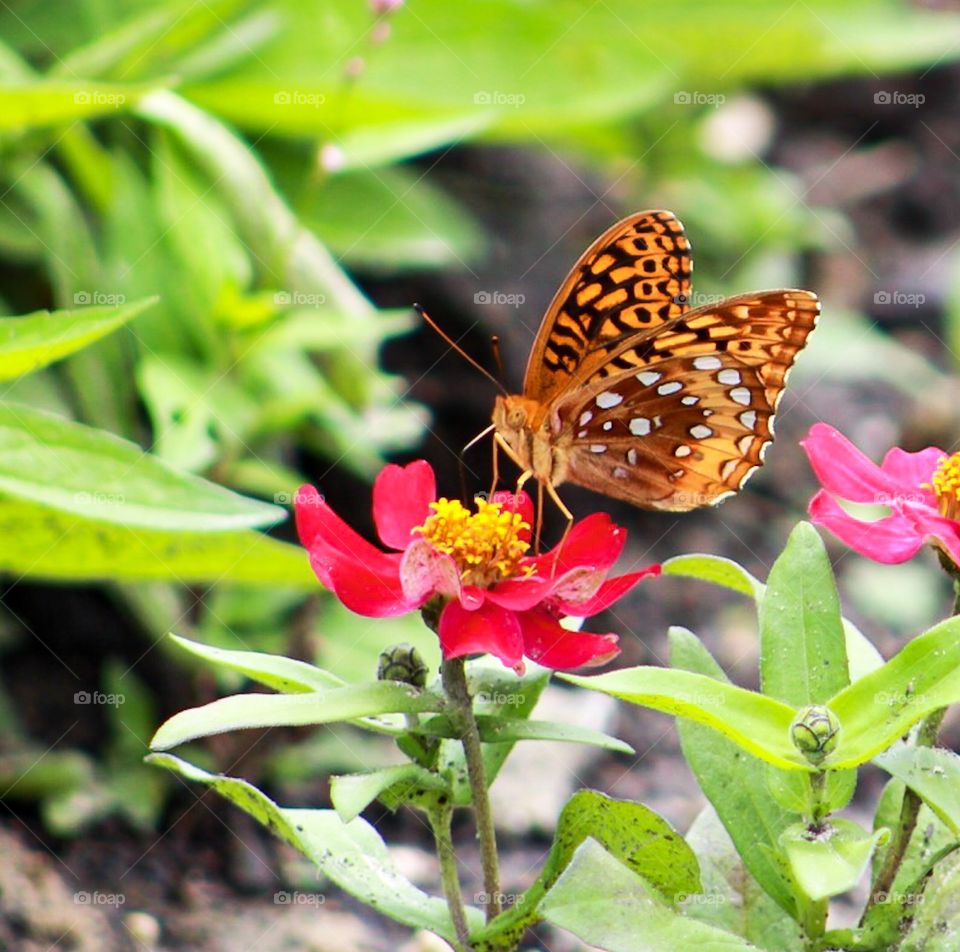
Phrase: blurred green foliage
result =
(226, 161)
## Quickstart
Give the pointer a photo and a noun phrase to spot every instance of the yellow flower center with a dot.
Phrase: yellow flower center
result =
(946, 486)
(486, 544)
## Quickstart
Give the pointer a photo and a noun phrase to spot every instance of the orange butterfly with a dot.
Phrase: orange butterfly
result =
(630, 393)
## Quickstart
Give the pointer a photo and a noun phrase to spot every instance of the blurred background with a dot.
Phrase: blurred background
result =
(287, 177)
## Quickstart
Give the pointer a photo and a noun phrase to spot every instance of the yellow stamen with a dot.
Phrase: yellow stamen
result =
(946, 486)
(486, 544)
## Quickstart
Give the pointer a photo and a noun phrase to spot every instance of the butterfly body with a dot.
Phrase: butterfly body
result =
(631, 393)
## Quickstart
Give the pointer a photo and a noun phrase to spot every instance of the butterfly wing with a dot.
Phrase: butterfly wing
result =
(634, 277)
(681, 416)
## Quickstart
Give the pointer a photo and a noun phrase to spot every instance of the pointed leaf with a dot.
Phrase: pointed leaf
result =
(717, 571)
(352, 793)
(932, 773)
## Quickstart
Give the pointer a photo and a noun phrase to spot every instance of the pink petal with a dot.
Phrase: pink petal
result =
(914, 469)
(550, 644)
(425, 572)
(368, 588)
(888, 540)
(937, 529)
(401, 501)
(611, 591)
(520, 594)
(472, 597)
(843, 470)
(595, 542)
(488, 630)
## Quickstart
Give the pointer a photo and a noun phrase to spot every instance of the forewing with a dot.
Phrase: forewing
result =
(634, 277)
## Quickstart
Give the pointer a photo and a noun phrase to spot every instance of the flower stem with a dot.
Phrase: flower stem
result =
(440, 818)
(909, 810)
(454, 677)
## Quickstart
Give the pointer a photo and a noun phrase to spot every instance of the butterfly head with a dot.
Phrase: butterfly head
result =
(522, 424)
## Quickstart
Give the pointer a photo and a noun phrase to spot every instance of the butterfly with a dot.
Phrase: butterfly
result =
(631, 393)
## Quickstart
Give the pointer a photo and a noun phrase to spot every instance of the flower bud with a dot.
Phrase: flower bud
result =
(815, 732)
(404, 663)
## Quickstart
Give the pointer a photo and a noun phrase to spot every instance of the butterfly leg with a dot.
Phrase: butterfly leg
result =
(567, 514)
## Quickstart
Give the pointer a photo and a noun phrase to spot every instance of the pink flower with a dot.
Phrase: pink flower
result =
(496, 598)
(922, 490)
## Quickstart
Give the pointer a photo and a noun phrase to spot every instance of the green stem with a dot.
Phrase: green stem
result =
(440, 818)
(814, 923)
(454, 677)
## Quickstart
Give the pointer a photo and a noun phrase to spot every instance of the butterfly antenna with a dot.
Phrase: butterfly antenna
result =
(456, 347)
(497, 355)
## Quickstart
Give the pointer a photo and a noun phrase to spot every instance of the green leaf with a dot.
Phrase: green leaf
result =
(101, 477)
(758, 724)
(508, 730)
(933, 773)
(717, 571)
(60, 546)
(351, 854)
(803, 657)
(831, 861)
(241, 711)
(793, 792)
(43, 102)
(286, 675)
(605, 905)
(631, 832)
(874, 711)
(732, 899)
(352, 793)
(935, 915)
(35, 340)
(734, 782)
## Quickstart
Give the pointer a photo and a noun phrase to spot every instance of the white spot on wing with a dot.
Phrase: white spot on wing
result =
(639, 426)
(585, 417)
(598, 447)
(620, 472)
(740, 395)
(671, 386)
(749, 418)
(632, 456)
(608, 425)
(682, 450)
(689, 401)
(728, 376)
(608, 400)
(700, 431)
(648, 377)
(744, 443)
(707, 362)
(726, 471)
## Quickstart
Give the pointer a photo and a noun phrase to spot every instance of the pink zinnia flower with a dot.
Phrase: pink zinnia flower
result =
(921, 489)
(497, 599)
